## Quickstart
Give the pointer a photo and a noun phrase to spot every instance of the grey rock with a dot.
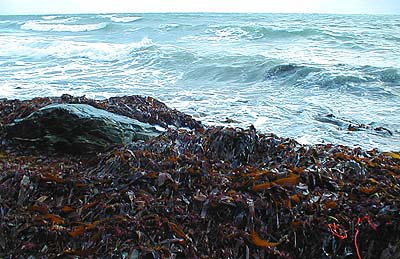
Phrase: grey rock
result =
(77, 128)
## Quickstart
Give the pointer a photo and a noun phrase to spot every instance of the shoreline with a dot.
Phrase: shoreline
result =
(194, 193)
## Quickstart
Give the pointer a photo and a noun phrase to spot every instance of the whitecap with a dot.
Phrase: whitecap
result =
(231, 33)
(96, 51)
(65, 49)
(125, 19)
(49, 17)
(57, 27)
(58, 20)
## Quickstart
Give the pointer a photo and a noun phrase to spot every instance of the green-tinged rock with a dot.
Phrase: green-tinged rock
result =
(77, 128)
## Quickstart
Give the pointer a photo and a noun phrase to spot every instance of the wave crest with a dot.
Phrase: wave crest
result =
(125, 19)
(49, 17)
(71, 49)
(59, 27)
(257, 32)
(389, 75)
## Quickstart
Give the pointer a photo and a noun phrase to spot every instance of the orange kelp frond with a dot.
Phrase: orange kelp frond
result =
(78, 231)
(55, 218)
(258, 241)
(262, 186)
(177, 230)
(291, 180)
(394, 155)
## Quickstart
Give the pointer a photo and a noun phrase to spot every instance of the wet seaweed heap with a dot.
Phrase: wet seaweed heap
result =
(195, 192)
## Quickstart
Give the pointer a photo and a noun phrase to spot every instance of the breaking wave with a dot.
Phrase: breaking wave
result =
(60, 27)
(125, 19)
(71, 49)
(258, 69)
(257, 32)
(49, 17)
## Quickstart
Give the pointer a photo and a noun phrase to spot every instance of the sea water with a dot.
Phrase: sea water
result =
(303, 76)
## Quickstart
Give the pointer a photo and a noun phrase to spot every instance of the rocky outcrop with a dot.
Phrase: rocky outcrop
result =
(77, 128)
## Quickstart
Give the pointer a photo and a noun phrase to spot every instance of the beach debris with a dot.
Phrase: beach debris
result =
(195, 192)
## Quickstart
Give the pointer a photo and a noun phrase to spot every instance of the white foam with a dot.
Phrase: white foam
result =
(50, 17)
(57, 21)
(26, 90)
(260, 122)
(59, 27)
(230, 33)
(125, 19)
(306, 139)
(99, 51)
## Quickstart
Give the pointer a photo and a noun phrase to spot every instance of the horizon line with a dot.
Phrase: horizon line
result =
(191, 12)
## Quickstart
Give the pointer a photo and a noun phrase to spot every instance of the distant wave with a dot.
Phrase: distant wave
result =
(260, 32)
(358, 76)
(333, 80)
(58, 27)
(10, 25)
(287, 70)
(169, 26)
(70, 49)
(355, 80)
(256, 32)
(125, 19)
(49, 17)
(256, 69)
(388, 75)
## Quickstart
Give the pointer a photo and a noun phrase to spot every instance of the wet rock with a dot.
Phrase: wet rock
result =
(349, 125)
(77, 128)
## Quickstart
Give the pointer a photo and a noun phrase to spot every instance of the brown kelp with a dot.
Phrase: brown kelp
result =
(195, 192)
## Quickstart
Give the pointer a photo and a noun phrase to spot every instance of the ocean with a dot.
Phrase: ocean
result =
(304, 76)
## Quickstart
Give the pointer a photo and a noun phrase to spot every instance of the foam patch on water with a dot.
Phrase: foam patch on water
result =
(59, 27)
(226, 33)
(25, 90)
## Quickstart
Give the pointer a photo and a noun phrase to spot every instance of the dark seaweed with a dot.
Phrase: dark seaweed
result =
(198, 192)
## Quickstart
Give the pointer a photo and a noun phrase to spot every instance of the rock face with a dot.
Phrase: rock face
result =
(77, 128)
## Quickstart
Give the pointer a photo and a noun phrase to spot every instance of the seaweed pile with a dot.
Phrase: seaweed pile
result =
(195, 192)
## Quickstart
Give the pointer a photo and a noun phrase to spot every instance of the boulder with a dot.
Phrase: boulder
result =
(77, 128)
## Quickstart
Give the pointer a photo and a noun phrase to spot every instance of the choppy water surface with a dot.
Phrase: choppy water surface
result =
(283, 73)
